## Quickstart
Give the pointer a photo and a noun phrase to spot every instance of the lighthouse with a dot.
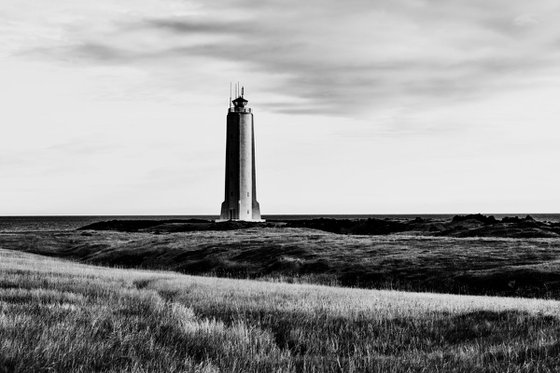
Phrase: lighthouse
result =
(240, 201)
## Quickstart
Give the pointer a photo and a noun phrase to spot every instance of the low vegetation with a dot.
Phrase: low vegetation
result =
(59, 316)
(527, 267)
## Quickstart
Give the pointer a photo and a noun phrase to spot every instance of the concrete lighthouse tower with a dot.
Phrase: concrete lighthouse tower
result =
(240, 201)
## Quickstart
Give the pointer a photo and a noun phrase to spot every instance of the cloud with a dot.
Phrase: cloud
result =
(325, 56)
(201, 27)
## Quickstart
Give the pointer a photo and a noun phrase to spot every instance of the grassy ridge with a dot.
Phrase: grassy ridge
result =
(494, 266)
(64, 316)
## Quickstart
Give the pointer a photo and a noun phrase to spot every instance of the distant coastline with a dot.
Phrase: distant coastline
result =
(72, 222)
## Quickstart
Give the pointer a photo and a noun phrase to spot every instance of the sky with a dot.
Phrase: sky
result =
(360, 107)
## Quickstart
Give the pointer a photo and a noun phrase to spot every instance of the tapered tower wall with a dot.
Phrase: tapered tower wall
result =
(255, 205)
(230, 206)
(245, 166)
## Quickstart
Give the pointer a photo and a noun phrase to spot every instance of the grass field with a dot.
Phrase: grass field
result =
(486, 266)
(59, 315)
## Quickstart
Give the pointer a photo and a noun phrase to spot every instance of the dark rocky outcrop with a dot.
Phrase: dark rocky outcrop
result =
(171, 225)
(476, 225)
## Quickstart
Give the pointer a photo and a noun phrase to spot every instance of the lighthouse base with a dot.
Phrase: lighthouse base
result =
(248, 221)
(233, 211)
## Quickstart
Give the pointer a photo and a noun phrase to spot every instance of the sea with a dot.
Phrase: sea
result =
(66, 223)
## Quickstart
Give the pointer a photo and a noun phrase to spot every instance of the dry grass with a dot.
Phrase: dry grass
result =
(62, 316)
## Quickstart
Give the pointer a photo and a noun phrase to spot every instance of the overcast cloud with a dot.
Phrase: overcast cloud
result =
(362, 54)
